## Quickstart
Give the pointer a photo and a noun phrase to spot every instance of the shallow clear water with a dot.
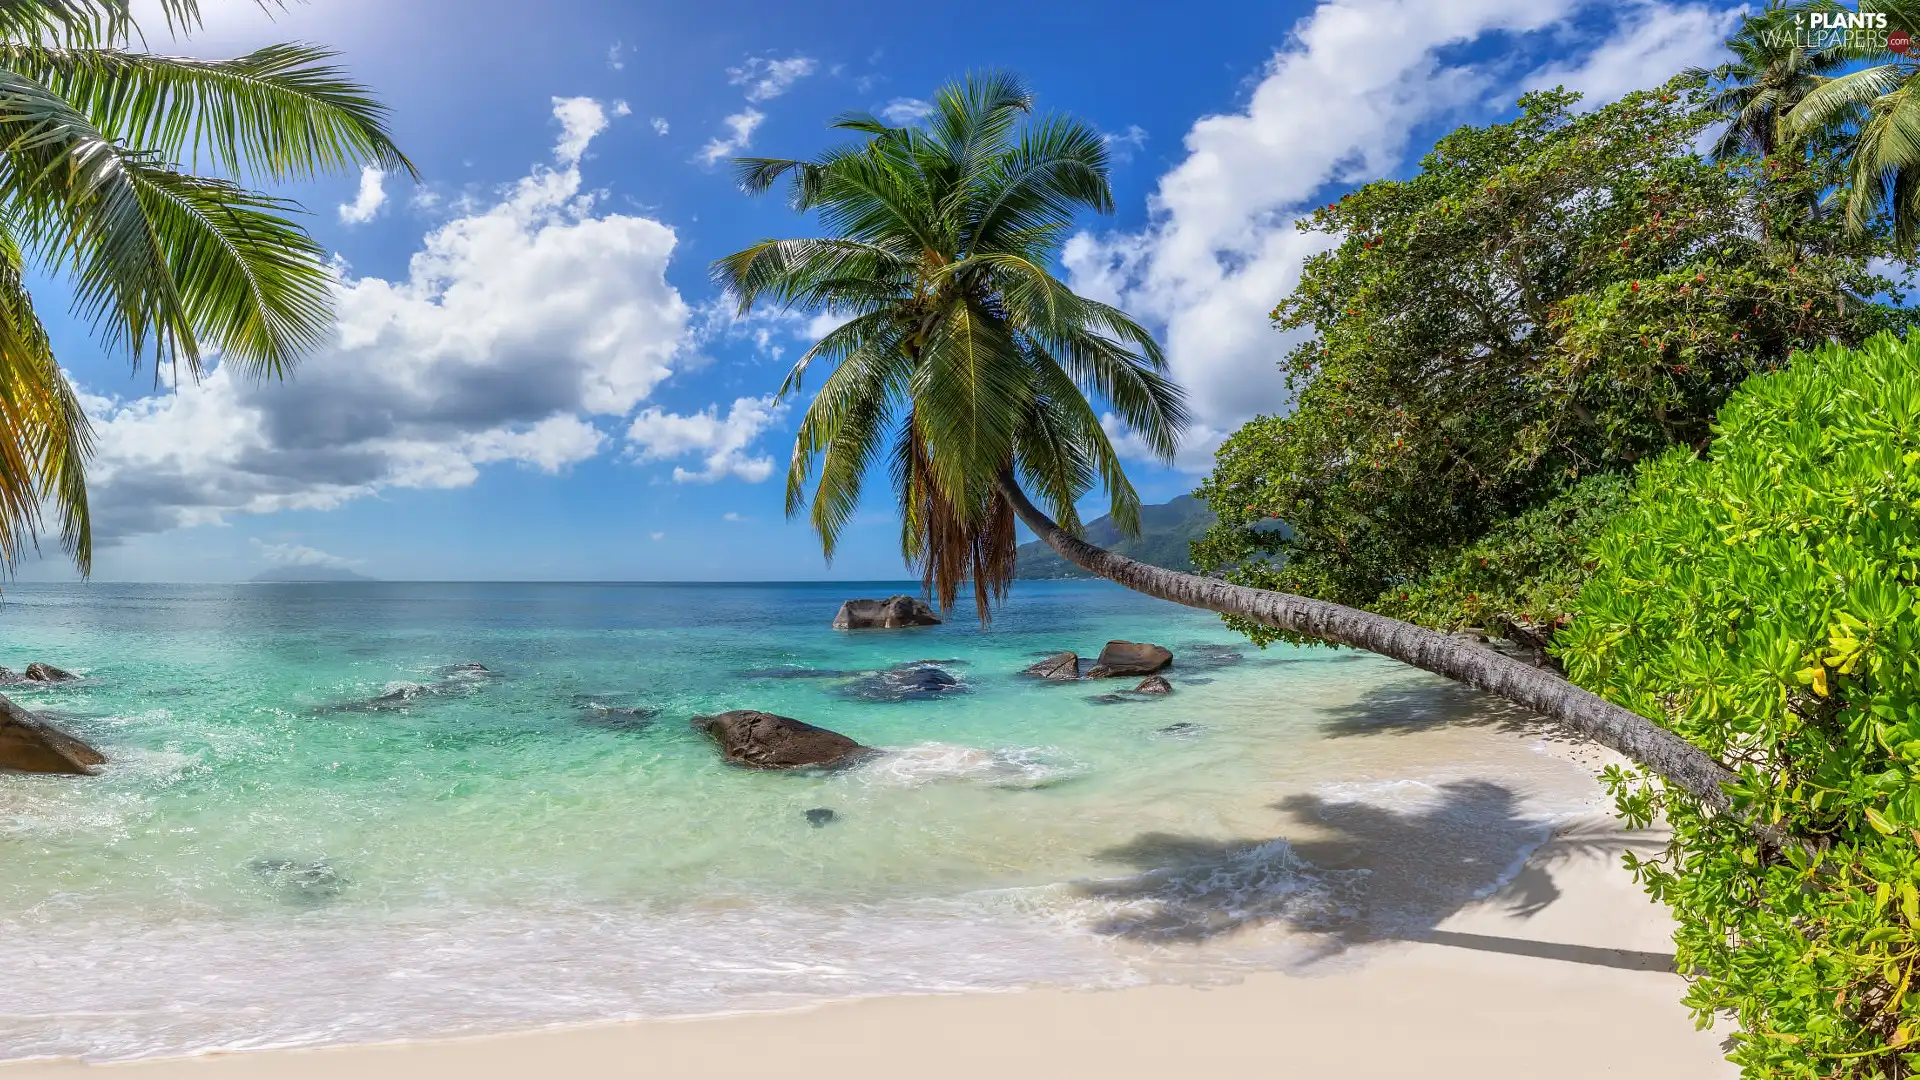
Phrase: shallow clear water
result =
(313, 831)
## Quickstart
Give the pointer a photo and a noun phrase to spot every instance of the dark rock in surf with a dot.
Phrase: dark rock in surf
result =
(617, 717)
(1180, 729)
(820, 817)
(1202, 656)
(762, 740)
(1060, 667)
(908, 682)
(28, 743)
(1153, 684)
(893, 613)
(47, 673)
(400, 695)
(1124, 658)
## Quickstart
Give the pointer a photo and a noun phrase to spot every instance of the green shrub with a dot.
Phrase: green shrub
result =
(1765, 604)
(1520, 579)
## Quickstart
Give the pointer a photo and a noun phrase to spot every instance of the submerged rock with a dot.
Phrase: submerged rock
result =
(400, 694)
(1123, 658)
(1153, 684)
(616, 717)
(1060, 667)
(820, 817)
(762, 740)
(301, 882)
(47, 673)
(1180, 729)
(892, 613)
(908, 682)
(1202, 656)
(459, 680)
(28, 743)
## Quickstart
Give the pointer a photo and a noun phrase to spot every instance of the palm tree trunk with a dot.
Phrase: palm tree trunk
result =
(1680, 762)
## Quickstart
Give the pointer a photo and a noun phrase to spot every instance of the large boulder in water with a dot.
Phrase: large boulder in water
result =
(47, 673)
(1123, 658)
(761, 740)
(890, 614)
(30, 744)
(1060, 667)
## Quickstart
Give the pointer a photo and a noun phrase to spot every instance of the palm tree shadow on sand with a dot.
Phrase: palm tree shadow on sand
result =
(1417, 704)
(1351, 873)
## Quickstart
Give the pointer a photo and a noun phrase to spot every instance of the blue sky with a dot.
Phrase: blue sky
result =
(532, 377)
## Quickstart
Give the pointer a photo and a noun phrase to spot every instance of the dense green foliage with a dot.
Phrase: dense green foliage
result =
(164, 261)
(1765, 603)
(1518, 581)
(1167, 531)
(1557, 297)
(964, 364)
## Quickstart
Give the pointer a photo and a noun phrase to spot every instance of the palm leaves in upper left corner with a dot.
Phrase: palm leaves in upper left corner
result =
(98, 144)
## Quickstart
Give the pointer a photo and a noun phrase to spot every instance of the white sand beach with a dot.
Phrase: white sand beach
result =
(1561, 973)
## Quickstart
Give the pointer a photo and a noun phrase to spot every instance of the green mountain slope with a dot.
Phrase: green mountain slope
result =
(1165, 530)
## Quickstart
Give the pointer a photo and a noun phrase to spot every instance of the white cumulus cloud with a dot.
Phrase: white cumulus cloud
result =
(1123, 145)
(905, 110)
(739, 136)
(1336, 105)
(1654, 43)
(723, 444)
(368, 200)
(581, 118)
(766, 78)
(659, 125)
(301, 555)
(515, 325)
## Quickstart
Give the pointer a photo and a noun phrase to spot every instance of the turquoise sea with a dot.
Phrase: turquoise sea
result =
(317, 828)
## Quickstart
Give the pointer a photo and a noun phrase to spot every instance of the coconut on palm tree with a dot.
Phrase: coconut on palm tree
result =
(970, 371)
(167, 263)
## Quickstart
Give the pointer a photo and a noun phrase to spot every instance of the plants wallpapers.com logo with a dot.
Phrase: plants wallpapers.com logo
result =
(1850, 30)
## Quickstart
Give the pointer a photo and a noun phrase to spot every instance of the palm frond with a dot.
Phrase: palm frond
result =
(280, 112)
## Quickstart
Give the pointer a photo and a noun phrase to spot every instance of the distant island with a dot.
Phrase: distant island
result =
(1165, 531)
(309, 574)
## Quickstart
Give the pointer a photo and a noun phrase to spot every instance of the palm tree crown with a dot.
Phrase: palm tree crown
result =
(1877, 109)
(963, 360)
(1772, 72)
(164, 262)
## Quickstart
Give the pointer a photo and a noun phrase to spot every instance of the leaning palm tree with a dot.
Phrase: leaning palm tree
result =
(1771, 72)
(968, 368)
(99, 146)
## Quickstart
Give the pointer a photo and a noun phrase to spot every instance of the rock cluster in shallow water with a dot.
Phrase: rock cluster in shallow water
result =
(893, 613)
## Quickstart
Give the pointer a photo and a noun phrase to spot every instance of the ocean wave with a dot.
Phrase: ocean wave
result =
(1230, 889)
(936, 763)
(139, 988)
